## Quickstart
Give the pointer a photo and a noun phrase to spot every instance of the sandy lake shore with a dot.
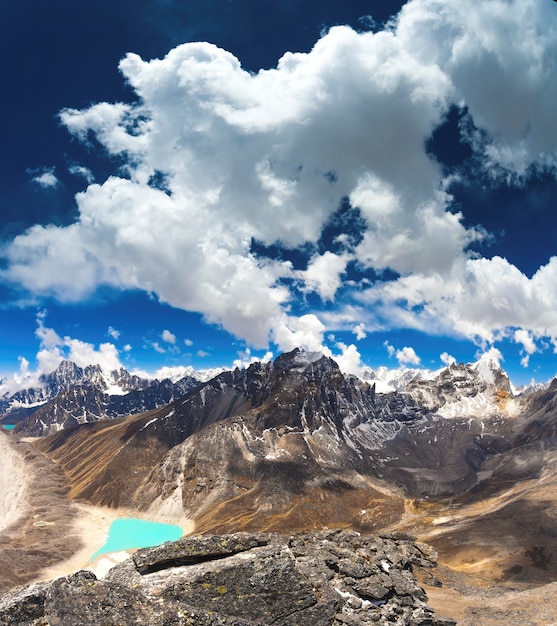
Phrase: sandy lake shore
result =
(44, 534)
(13, 482)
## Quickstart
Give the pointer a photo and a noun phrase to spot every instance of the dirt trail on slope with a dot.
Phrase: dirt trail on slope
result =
(39, 527)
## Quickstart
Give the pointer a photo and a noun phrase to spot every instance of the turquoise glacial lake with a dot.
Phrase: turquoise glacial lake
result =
(8, 426)
(129, 532)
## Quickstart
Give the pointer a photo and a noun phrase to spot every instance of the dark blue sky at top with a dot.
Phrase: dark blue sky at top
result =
(520, 217)
(65, 53)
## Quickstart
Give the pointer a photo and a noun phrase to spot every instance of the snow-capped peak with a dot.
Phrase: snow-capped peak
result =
(531, 387)
(184, 371)
(488, 364)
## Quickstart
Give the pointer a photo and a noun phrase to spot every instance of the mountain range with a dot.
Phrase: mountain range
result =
(456, 457)
(301, 412)
(72, 395)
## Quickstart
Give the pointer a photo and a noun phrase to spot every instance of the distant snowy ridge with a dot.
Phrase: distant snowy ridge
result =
(28, 391)
(136, 392)
(388, 380)
(73, 395)
(178, 372)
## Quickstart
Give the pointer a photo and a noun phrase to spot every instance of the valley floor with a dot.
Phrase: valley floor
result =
(472, 604)
(13, 481)
(37, 516)
(45, 535)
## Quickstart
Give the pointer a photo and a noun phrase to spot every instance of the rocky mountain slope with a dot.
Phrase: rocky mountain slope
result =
(454, 457)
(324, 579)
(271, 439)
(65, 376)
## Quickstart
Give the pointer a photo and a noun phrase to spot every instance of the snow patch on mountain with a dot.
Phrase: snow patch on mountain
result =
(115, 390)
(302, 359)
(179, 372)
(480, 405)
(389, 380)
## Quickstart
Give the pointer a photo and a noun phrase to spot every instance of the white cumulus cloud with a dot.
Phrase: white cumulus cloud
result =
(500, 56)
(323, 274)
(246, 358)
(529, 346)
(524, 338)
(447, 358)
(46, 178)
(168, 337)
(84, 172)
(407, 356)
(113, 332)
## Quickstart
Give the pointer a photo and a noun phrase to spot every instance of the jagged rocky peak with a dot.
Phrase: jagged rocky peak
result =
(66, 371)
(287, 374)
(62, 378)
(69, 373)
(480, 389)
(302, 383)
(532, 387)
(299, 360)
(72, 395)
(306, 367)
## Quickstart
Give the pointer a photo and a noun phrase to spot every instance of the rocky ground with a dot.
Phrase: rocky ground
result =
(473, 604)
(41, 530)
(498, 563)
(330, 578)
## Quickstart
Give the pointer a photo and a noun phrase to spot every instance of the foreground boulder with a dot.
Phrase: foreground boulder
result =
(324, 578)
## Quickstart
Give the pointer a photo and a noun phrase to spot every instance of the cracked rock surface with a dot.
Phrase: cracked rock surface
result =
(325, 578)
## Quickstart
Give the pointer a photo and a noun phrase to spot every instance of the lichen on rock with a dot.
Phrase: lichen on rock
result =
(325, 578)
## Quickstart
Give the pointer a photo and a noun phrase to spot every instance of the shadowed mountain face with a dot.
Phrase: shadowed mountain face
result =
(295, 445)
(299, 423)
(83, 403)
(63, 378)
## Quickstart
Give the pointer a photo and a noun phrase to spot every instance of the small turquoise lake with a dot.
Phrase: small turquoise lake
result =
(130, 532)
(8, 426)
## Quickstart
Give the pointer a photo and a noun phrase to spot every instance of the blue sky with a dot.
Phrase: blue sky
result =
(199, 183)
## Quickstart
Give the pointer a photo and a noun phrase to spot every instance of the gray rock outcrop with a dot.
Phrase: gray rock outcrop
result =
(327, 578)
